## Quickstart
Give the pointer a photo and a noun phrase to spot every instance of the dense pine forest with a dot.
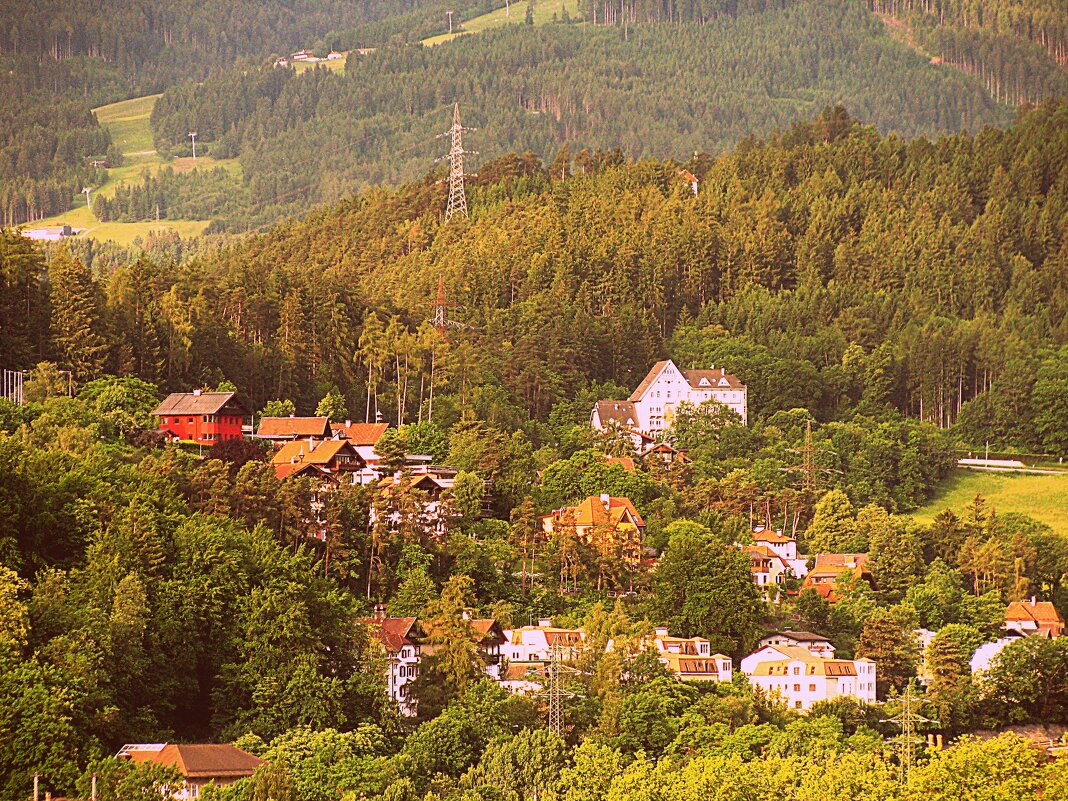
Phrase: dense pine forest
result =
(606, 80)
(316, 138)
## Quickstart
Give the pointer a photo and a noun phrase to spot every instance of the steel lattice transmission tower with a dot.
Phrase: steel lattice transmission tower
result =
(909, 719)
(457, 204)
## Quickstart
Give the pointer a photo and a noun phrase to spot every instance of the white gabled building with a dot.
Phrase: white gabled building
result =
(650, 408)
(801, 678)
(535, 643)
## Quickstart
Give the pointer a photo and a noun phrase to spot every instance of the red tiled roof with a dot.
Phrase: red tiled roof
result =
(650, 377)
(625, 462)
(1041, 612)
(393, 632)
(361, 433)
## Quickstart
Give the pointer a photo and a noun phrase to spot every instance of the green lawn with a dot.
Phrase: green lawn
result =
(337, 65)
(1043, 497)
(128, 123)
(544, 10)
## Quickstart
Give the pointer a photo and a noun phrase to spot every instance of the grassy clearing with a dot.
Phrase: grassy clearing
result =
(544, 12)
(1043, 497)
(128, 123)
(337, 65)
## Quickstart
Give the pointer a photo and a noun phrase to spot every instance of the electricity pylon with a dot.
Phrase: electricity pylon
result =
(908, 719)
(457, 198)
(555, 691)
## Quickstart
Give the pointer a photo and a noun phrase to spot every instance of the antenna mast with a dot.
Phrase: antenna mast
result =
(457, 204)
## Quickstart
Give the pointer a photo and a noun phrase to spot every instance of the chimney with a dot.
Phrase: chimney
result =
(466, 614)
(661, 631)
(292, 414)
(1032, 600)
(197, 392)
(605, 500)
(545, 622)
(380, 611)
(348, 424)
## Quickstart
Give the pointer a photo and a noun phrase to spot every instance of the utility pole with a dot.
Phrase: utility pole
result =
(86, 190)
(449, 15)
(93, 797)
(193, 136)
(908, 719)
(457, 204)
(36, 786)
(555, 691)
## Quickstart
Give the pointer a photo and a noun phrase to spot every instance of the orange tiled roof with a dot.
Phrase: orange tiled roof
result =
(767, 535)
(294, 427)
(323, 453)
(361, 433)
(1041, 612)
(591, 512)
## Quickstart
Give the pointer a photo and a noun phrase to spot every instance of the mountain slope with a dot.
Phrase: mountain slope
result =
(656, 90)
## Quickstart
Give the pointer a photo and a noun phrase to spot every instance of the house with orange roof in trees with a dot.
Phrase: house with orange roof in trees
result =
(601, 521)
(335, 457)
(830, 567)
(199, 764)
(1034, 618)
(362, 436)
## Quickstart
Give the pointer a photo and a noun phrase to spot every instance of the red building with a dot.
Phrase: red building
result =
(202, 417)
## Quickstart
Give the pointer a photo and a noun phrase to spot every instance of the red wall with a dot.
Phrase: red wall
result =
(227, 427)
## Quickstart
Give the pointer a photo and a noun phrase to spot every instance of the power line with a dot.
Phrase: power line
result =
(908, 719)
(457, 203)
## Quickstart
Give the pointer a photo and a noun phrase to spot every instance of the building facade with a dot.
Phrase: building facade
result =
(201, 417)
(800, 678)
(651, 407)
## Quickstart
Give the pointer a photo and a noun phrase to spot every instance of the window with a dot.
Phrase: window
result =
(797, 671)
(797, 688)
(812, 688)
(797, 704)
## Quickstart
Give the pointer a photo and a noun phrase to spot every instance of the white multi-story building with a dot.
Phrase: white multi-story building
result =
(535, 643)
(651, 407)
(405, 643)
(801, 678)
(689, 658)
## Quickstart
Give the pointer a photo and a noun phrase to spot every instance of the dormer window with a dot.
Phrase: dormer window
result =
(723, 382)
(703, 383)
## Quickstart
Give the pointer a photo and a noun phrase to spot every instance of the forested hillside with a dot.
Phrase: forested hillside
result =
(850, 269)
(1017, 48)
(316, 138)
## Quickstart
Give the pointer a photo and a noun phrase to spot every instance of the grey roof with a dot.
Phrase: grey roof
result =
(621, 412)
(800, 636)
(191, 403)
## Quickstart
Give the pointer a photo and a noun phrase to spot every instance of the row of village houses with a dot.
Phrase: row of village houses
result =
(797, 667)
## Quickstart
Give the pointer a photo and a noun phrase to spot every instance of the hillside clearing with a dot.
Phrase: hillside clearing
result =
(1043, 497)
(544, 12)
(128, 122)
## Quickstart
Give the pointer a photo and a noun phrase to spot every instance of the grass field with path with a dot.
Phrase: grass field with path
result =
(1043, 497)
(337, 65)
(128, 122)
(544, 11)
